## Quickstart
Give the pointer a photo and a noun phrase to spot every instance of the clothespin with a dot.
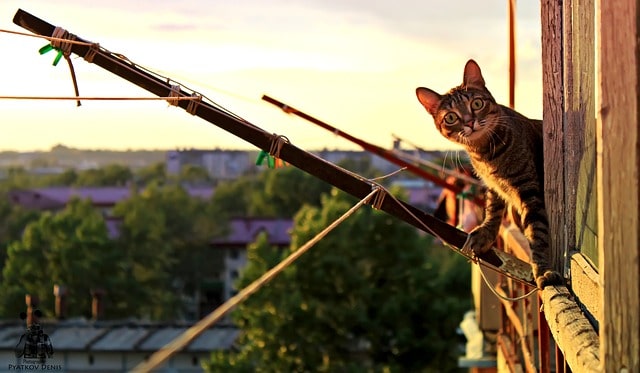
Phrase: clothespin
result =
(272, 162)
(48, 48)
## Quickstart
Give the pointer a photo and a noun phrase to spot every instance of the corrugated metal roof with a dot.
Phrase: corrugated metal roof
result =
(120, 339)
(74, 337)
(106, 336)
(10, 335)
(214, 339)
(159, 338)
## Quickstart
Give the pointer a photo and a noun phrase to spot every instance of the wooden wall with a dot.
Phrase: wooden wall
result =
(618, 177)
(590, 53)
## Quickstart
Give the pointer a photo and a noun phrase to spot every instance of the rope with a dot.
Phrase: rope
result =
(508, 299)
(63, 40)
(192, 106)
(174, 94)
(163, 354)
(50, 38)
(170, 99)
(389, 174)
(378, 198)
(277, 142)
(91, 53)
(124, 62)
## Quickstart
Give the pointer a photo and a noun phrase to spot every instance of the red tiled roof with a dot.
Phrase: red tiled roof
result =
(244, 231)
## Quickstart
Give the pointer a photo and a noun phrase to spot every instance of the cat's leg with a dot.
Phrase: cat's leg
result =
(535, 226)
(482, 237)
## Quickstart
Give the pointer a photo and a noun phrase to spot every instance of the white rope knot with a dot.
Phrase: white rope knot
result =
(174, 95)
(91, 52)
(194, 102)
(63, 40)
(378, 198)
(277, 142)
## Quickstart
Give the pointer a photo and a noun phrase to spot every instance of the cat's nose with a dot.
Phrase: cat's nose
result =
(469, 123)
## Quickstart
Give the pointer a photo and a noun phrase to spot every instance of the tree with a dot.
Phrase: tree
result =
(276, 193)
(368, 297)
(13, 219)
(155, 173)
(166, 235)
(194, 175)
(70, 248)
(109, 175)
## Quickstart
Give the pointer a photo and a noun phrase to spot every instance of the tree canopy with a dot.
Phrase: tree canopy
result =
(70, 248)
(369, 296)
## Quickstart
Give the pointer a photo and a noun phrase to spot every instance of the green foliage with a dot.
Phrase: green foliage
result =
(194, 175)
(70, 248)
(161, 254)
(110, 175)
(13, 219)
(368, 297)
(165, 234)
(278, 193)
(155, 173)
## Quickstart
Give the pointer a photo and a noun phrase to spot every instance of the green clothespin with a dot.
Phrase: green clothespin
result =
(261, 156)
(48, 48)
(271, 161)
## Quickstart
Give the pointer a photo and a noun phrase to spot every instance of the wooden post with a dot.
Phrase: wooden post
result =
(618, 175)
(553, 127)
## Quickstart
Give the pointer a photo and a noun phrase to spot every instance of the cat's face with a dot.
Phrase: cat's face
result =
(468, 113)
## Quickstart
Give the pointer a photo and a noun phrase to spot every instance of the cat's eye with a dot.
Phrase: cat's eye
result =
(450, 118)
(477, 104)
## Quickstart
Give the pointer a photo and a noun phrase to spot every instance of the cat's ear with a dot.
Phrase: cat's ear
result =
(472, 75)
(429, 99)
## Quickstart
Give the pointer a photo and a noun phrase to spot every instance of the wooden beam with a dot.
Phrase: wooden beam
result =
(571, 330)
(618, 182)
(553, 127)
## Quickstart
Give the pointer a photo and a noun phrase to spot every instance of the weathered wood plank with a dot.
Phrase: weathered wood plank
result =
(585, 286)
(571, 330)
(580, 124)
(618, 175)
(553, 107)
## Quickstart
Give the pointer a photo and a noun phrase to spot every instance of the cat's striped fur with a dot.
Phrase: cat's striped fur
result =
(505, 149)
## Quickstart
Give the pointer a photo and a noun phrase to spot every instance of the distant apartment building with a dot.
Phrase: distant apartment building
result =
(244, 231)
(231, 164)
(220, 164)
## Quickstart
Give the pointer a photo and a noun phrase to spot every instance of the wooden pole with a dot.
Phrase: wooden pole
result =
(512, 53)
(384, 153)
(553, 128)
(618, 182)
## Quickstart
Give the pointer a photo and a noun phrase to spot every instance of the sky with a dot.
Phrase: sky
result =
(352, 63)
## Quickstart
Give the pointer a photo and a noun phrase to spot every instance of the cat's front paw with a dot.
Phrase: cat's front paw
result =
(479, 241)
(549, 278)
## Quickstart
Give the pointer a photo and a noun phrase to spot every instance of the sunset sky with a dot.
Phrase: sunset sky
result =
(352, 63)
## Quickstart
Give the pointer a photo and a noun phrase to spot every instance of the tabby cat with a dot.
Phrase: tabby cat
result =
(505, 149)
